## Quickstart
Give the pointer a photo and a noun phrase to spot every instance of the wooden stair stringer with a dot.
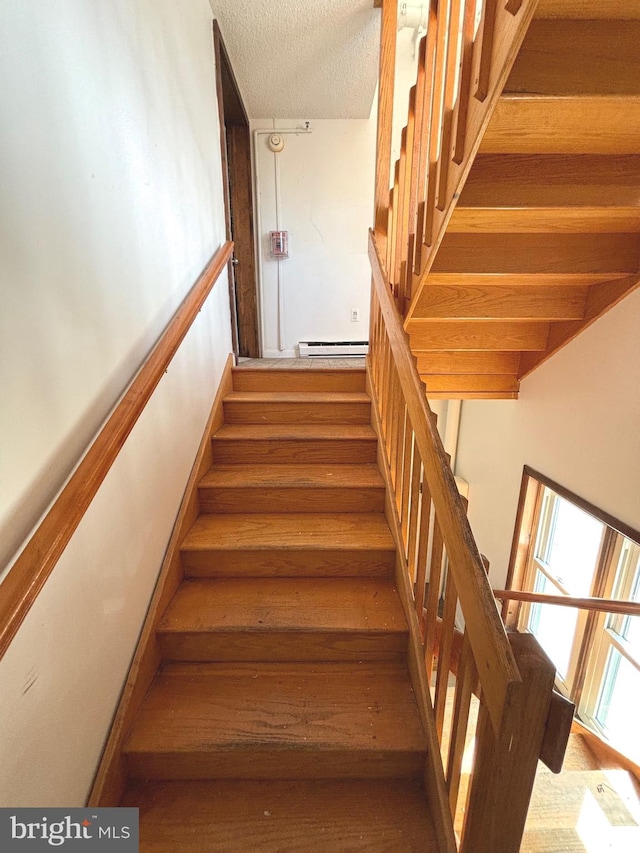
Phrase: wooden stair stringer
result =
(546, 226)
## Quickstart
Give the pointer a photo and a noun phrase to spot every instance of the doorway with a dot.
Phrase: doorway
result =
(235, 144)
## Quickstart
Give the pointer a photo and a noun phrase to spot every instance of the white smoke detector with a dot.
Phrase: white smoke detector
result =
(276, 142)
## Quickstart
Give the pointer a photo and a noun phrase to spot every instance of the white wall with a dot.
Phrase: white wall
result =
(326, 188)
(111, 205)
(577, 421)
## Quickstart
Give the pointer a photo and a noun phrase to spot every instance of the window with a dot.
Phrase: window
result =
(564, 546)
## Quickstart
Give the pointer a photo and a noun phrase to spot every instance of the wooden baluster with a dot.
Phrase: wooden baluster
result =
(416, 147)
(386, 424)
(373, 333)
(437, 553)
(406, 481)
(425, 135)
(424, 533)
(400, 224)
(396, 437)
(466, 77)
(388, 252)
(400, 445)
(382, 338)
(386, 84)
(404, 292)
(386, 380)
(435, 123)
(451, 80)
(393, 235)
(377, 313)
(384, 349)
(393, 423)
(447, 628)
(486, 34)
(412, 549)
(505, 764)
(466, 682)
(405, 175)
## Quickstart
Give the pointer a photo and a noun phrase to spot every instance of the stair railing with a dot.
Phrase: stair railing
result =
(26, 577)
(464, 60)
(445, 570)
(591, 603)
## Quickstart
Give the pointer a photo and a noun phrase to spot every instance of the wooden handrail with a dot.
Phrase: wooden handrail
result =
(597, 605)
(29, 573)
(491, 650)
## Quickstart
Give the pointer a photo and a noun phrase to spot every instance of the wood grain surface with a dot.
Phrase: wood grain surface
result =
(283, 817)
(284, 619)
(293, 720)
(294, 443)
(292, 488)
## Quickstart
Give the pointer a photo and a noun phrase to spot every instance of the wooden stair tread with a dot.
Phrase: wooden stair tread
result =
(290, 531)
(477, 335)
(501, 302)
(298, 442)
(297, 397)
(279, 707)
(567, 57)
(260, 379)
(588, 9)
(552, 180)
(282, 817)
(276, 604)
(537, 253)
(564, 124)
(475, 386)
(527, 220)
(314, 476)
(295, 407)
(466, 363)
(308, 432)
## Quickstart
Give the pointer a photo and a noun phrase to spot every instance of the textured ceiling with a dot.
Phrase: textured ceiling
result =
(296, 59)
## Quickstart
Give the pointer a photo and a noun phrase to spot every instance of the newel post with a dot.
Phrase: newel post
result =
(505, 766)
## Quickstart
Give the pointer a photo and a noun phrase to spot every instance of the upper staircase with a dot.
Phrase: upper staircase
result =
(545, 234)
(283, 708)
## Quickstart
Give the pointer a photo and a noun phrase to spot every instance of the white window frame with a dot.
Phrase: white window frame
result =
(596, 633)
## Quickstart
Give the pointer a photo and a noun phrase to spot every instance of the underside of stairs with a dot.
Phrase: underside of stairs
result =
(545, 236)
(283, 716)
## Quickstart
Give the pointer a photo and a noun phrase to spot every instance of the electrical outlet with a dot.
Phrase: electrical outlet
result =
(355, 315)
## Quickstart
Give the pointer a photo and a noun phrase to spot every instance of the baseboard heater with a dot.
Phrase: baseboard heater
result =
(333, 349)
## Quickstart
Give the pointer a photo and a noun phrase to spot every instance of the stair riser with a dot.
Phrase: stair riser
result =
(291, 500)
(293, 451)
(247, 763)
(290, 564)
(240, 412)
(287, 381)
(313, 646)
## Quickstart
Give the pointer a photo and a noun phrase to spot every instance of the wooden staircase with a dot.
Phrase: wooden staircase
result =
(545, 236)
(283, 716)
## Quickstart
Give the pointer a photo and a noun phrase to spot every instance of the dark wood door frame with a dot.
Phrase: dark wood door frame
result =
(235, 146)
